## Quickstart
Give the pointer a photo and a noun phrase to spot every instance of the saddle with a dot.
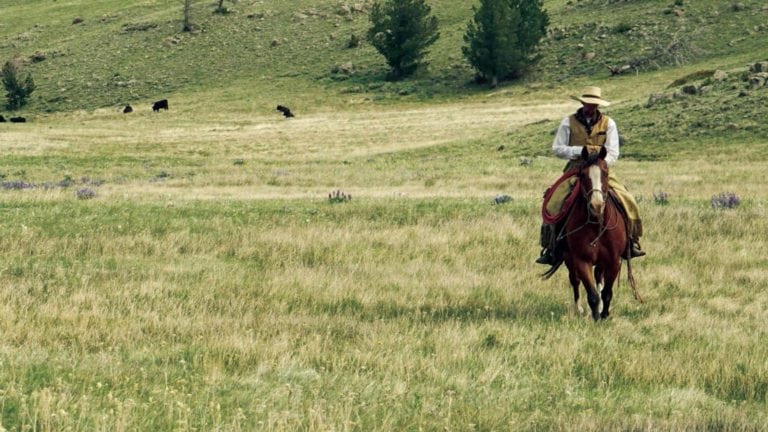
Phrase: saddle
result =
(551, 219)
(551, 229)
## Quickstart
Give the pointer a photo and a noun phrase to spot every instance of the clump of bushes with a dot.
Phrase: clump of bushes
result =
(161, 176)
(17, 185)
(338, 196)
(725, 200)
(661, 198)
(67, 182)
(85, 193)
(501, 199)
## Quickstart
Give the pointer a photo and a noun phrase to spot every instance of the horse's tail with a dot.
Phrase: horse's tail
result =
(632, 282)
(552, 270)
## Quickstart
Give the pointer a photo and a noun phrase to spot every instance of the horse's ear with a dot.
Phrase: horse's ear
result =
(603, 152)
(585, 153)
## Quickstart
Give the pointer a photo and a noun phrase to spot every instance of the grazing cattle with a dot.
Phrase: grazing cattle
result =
(18, 120)
(161, 104)
(285, 110)
(2, 119)
(127, 109)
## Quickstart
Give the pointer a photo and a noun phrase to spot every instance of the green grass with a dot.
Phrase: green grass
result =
(369, 315)
(211, 285)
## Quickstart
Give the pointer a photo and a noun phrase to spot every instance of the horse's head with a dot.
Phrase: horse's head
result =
(593, 177)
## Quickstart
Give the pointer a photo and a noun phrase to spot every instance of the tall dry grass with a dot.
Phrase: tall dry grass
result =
(210, 285)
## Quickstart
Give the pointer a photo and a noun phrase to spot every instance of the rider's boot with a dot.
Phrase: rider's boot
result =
(547, 257)
(634, 249)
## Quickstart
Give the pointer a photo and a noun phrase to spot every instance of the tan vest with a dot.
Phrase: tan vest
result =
(580, 137)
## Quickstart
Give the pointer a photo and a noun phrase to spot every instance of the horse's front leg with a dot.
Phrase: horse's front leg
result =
(584, 273)
(574, 280)
(599, 278)
(599, 282)
(611, 274)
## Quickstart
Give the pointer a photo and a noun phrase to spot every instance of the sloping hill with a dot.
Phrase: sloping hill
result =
(86, 55)
(297, 53)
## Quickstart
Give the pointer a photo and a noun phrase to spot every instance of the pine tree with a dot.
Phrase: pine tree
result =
(187, 11)
(502, 37)
(401, 31)
(17, 91)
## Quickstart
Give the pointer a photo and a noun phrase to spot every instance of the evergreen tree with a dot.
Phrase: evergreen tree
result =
(17, 90)
(187, 11)
(502, 37)
(401, 31)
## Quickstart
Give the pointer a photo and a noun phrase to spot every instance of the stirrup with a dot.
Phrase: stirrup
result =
(634, 250)
(546, 258)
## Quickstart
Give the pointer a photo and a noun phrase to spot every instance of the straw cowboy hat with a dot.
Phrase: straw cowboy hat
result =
(591, 95)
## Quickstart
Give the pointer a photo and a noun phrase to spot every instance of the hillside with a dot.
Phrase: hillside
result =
(116, 52)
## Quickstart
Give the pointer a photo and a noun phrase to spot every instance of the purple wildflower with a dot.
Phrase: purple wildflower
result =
(85, 193)
(17, 185)
(725, 200)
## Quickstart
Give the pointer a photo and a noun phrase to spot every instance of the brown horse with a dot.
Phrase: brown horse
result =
(596, 237)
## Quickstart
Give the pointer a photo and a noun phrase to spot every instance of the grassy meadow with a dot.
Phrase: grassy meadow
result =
(186, 271)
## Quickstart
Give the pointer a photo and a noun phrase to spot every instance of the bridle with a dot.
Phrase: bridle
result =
(592, 218)
(587, 194)
(588, 197)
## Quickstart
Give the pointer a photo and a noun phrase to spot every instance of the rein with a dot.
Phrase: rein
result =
(599, 221)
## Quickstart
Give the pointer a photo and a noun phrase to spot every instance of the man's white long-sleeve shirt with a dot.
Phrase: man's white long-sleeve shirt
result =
(562, 150)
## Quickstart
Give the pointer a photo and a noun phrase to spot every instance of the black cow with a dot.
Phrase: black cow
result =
(285, 110)
(2, 119)
(161, 104)
(127, 109)
(18, 120)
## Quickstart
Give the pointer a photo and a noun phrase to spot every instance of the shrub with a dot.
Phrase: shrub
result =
(354, 41)
(66, 182)
(661, 198)
(501, 199)
(161, 176)
(726, 200)
(338, 196)
(85, 193)
(622, 27)
(17, 185)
